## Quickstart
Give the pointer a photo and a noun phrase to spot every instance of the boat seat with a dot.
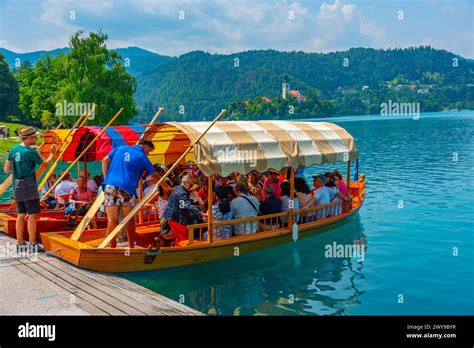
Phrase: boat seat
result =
(181, 243)
(152, 229)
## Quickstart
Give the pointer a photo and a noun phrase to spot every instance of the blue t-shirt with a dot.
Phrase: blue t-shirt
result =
(126, 167)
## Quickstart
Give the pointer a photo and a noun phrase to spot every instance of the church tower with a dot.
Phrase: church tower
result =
(285, 87)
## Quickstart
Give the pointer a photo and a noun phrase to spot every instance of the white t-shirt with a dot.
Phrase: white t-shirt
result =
(92, 185)
(64, 188)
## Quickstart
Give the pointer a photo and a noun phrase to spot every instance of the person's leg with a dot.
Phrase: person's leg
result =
(112, 222)
(33, 208)
(20, 227)
(32, 228)
(130, 227)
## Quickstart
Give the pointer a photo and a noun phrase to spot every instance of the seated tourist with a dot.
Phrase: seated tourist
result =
(148, 184)
(243, 206)
(180, 208)
(303, 193)
(271, 205)
(285, 202)
(254, 186)
(322, 195)
(305, 198)
(176, 176)
(272, 180)
(91, 184)
(50, 199)
(83, 196)
(98, 181)
(203, 192)
(64, 189)
(227, 182)
(221, 212)
(335, 194)
(163, 198)
(342, 186)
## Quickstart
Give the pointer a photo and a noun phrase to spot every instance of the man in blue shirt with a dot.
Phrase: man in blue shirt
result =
(123, 168)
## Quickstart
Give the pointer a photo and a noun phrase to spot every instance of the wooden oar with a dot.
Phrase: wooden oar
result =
(151, 193)
(80, 122)
(9, 180)
(81, 154)
(101, 197)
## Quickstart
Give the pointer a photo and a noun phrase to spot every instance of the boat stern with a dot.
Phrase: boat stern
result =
(62, 246)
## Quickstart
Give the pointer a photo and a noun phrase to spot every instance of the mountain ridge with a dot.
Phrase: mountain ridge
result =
(197, 84)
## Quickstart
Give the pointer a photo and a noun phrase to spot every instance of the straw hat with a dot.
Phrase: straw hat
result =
(28, 132)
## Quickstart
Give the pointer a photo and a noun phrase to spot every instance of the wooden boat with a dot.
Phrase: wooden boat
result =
(56, 221)
(278, 144)
(50, 220)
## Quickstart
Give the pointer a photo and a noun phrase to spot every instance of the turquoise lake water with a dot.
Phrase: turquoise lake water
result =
(417, 225)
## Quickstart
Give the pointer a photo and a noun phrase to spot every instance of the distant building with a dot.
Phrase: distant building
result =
(265, 99)
(285, 87)
(399, 87)
(412, 86)
(298, 95)
(423, 91)
(364, 88)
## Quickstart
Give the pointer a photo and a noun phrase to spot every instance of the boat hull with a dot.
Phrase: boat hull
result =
(45, 222)
(114, 260)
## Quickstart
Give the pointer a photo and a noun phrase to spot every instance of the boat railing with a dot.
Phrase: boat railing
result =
(148, 213)
(265, 223)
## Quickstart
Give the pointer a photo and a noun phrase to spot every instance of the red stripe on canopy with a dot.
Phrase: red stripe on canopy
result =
(112, 137)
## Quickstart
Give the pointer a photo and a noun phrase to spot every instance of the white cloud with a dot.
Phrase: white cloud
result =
(371, 29)
(63, 13)
(53, 43)
(5, 44)
(339, 20)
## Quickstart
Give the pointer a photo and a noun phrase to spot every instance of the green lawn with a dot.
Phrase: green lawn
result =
(5, 145)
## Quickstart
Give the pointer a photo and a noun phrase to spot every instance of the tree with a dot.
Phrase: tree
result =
(8, 91)
(97, 75)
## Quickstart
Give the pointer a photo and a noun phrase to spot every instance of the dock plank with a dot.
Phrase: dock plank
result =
(93, 292)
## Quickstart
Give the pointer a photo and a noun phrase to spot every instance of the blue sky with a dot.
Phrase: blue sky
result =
(219, 26)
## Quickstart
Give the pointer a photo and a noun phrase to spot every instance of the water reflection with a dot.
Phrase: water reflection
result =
(290, 279)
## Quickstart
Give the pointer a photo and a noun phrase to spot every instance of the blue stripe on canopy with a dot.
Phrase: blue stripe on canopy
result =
(116, 139)
(137, 129)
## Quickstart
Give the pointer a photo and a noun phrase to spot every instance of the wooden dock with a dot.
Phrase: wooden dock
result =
(45, 285)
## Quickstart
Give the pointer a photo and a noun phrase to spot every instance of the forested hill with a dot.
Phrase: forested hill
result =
(204, 82)
(199, 84)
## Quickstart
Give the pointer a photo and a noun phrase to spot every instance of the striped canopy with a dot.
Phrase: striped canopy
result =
(242, 146)
(55, 136)
(111, 138)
